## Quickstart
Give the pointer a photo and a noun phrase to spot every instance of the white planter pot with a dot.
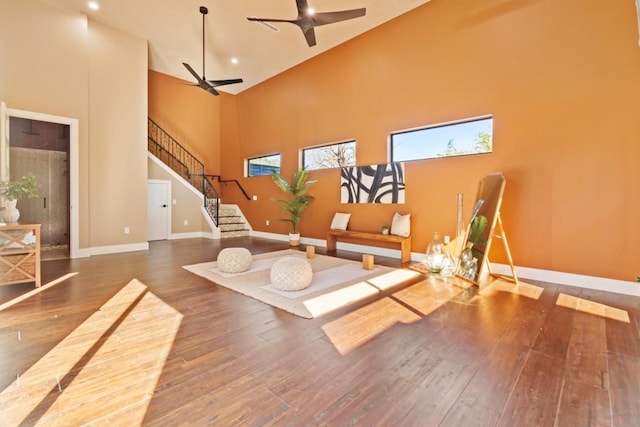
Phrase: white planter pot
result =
(294, 239)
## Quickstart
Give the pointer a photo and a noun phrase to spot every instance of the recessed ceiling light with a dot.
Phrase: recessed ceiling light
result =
(93, 5)
(234, 60)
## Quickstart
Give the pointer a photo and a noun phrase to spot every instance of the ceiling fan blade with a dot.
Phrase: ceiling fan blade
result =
(253, 18)
(325, 18)
(215, 83)
(307, 20)
(212, 90)
(303, 7)
(192, 71)
(310, 36)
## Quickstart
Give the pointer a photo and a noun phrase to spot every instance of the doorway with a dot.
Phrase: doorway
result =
(42, 148)
(72, 165)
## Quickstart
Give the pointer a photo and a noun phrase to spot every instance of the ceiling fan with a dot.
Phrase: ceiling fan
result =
(208, 85)
(307, 19)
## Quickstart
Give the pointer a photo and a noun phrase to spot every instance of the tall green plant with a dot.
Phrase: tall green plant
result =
(298, 199)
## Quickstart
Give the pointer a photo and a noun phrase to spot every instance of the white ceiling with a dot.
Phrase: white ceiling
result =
(173, 29)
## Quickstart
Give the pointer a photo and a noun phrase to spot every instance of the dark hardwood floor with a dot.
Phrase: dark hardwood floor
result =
(170, 348)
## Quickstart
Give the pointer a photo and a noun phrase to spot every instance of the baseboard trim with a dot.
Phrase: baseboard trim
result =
(272, 236)
(570, 279)
(192, 235)
(561, 278)
(102, 250)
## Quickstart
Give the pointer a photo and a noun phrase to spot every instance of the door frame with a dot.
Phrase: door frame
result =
(74, 177)
(167, 185)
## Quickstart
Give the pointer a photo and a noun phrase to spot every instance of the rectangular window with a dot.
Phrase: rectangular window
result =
(263, 165)
(461, 138)
(329, 156)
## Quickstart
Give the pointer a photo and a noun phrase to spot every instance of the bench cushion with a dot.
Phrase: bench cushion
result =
(340, 221)
(401, 225)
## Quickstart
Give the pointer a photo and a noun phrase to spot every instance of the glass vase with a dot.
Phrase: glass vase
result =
(435, 254)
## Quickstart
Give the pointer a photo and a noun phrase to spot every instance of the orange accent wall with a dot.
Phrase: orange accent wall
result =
(561, 79)
(188, 114)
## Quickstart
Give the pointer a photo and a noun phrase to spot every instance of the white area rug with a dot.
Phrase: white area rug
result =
(336, 282)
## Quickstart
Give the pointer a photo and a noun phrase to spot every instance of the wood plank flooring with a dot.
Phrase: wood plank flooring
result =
(134, 339)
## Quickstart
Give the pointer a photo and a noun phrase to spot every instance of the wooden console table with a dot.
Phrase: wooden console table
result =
(20, 254)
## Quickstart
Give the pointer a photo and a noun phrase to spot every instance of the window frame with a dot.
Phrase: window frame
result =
(331, 144)
(247, 168)
(391, 153)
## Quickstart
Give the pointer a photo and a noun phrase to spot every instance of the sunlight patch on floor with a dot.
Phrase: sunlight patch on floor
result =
(106, 369)
(426, 297)
(393, 278)
(360, 326)
(407, 305)
(331, 301)
(522, 288)
(591, 307)
(36, 291)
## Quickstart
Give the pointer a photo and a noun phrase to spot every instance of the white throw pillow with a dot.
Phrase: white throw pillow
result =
(401, 225)
(340, 221)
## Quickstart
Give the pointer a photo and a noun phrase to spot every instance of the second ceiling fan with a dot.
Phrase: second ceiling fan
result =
(307, 19)
(208, 85)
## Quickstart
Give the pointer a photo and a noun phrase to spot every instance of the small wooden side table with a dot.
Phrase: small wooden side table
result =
(20, 254)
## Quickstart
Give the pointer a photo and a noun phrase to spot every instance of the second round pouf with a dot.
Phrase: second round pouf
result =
(291, 274)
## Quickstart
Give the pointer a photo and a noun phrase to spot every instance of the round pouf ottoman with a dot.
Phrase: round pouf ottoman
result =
(234, 260)
(291, 273)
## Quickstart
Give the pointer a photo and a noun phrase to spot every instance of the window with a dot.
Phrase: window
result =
(330, 156)
(264, 165)
(461, 138)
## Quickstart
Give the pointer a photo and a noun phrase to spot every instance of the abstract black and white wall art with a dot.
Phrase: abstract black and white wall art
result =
(372, 184)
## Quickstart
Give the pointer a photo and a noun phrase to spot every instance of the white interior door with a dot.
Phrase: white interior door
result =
(158, 209)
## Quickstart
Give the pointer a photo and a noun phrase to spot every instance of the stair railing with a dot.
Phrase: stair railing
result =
(179, 159)
(233, 181)
(211, 200)
(173, 154)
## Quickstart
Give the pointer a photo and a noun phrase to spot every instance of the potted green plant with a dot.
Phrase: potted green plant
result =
(384, 229)
(25, 187)
(297, 201)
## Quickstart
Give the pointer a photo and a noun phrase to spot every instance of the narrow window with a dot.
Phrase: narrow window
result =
(264, 165)
(461, 138)
(329, 156)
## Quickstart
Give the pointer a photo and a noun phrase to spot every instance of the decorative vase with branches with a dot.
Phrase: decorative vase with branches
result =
(298, 199)
(25, 187)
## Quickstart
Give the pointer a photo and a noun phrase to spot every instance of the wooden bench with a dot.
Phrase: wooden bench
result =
(405, 242)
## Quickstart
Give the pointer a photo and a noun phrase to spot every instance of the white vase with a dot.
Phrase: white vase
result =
(10, 214)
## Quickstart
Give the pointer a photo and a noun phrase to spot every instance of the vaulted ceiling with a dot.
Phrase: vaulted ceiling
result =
(173, 29)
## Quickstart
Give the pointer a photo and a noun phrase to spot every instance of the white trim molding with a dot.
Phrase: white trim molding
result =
(115, 249)
(570, 279)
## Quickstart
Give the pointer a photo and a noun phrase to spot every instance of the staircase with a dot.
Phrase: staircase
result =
(227, 218)
(230, 221)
